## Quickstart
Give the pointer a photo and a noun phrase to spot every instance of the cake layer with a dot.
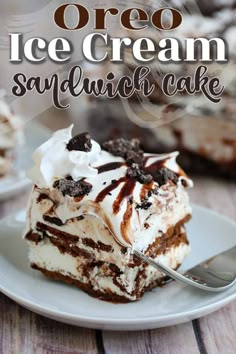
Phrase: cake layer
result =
(58, 257)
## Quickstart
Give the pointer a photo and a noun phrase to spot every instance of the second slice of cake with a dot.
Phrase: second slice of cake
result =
(90, 207)
(11, 137)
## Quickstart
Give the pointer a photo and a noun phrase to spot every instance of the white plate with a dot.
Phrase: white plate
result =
(16, 181)
(209, 233)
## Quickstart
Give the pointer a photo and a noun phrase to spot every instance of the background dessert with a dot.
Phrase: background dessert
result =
(203, 131)
(90, 207)
(11, 136)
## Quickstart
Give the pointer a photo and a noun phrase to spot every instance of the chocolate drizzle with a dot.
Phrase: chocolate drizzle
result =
(102, 195)
(155, 165)
(136, 162)
(135, 170)
(126, 222)
(110, 166)
(156, 170)
(125, 192)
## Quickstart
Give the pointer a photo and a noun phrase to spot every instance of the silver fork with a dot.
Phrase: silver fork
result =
(207, 275)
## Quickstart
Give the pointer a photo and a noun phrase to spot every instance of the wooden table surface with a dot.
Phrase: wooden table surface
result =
(22, 331)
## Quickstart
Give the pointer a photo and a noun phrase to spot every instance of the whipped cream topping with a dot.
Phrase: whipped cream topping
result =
(53, 160)
(135, 213)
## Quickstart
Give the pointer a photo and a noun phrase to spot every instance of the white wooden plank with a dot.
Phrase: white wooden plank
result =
(219, 330)
(24, 332)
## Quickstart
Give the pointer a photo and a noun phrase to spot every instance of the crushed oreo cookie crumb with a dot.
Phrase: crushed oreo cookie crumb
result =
(163, 175)
(152, 191)
(144, 205)
(129, 150)
(184, 183)
(134, 171)
(134, 157)
(72, 188)
(81, 142)
(53, 220)
(131, 200)
(79, 218)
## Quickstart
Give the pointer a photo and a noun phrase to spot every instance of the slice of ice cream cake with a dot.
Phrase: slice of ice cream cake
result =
(91, 206)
